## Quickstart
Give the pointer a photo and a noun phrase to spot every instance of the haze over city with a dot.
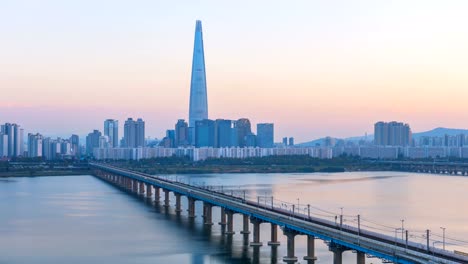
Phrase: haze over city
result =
(312, 68)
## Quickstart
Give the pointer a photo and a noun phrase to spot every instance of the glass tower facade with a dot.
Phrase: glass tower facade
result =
(198, 97)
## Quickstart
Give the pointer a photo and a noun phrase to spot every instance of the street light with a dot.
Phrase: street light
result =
(443, 236)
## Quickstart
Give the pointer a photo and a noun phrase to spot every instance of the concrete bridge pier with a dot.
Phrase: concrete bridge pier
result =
(290, 234)
(274, 236)
(134, 186)
(311, 258)
(149, 192)
(207, 213)
(156, 194)
(166, 197)
(126, 185)
(142, 188)
(256, 232)
(191, 207)
(230, 222)
(360, 257)
(337, 252)
(223, 217)
(245, 228)
(177, 203)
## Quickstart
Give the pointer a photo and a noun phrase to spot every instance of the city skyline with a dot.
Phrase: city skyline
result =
(318, 69)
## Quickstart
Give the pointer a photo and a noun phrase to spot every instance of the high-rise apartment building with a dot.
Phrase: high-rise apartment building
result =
(265, 135)
(243, 129)
(392, 134)
(204, 133)
(225, 134)
(3, 145)
(251, 140)
(111, 129)
(75, 145)
(198, 109)
(92, 141)
(15, 145)
(181, 134)
(34, 145)
(134, 133)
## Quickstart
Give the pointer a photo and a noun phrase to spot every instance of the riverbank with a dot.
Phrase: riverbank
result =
(41, 173)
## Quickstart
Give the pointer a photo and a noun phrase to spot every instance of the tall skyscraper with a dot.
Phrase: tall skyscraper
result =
(392, 134)
(265, 135)
(111, 129)
(198, 97)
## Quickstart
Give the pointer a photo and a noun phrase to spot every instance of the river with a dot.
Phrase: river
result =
(81, 219)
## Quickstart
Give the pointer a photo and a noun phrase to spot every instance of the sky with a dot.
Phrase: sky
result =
(313, 68)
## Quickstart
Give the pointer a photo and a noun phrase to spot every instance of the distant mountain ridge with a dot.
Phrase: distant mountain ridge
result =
(440, 132)
(436, 132)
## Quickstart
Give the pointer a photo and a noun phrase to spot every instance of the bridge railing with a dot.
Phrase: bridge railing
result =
(355, 223)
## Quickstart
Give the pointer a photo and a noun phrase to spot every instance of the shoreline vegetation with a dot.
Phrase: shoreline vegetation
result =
(271, 164)
(183, 165)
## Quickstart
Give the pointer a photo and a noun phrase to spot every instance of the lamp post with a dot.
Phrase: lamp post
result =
(443, 237)
(402, 227)
(341, 218)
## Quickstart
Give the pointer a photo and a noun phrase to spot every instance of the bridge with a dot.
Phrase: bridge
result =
(438, 167)
(338, 237)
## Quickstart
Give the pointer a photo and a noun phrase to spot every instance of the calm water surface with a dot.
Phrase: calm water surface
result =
(81, 219)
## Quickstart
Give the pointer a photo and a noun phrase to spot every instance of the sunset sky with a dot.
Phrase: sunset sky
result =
(314, 68)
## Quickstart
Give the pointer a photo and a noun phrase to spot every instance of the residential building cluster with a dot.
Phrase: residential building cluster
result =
(203, 153)
(12, 144)
(219, 133)
(207, 133)
(394, 152)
